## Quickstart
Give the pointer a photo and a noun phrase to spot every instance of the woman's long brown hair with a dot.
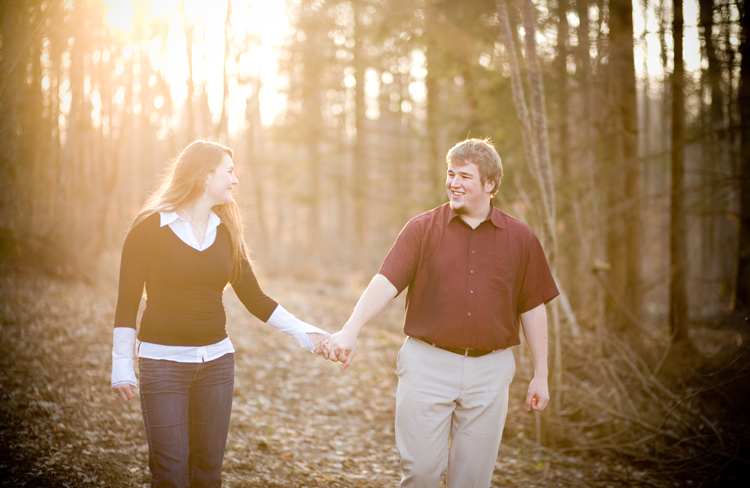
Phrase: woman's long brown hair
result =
(185, 180)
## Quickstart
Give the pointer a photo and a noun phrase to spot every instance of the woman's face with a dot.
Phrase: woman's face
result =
(221, 182)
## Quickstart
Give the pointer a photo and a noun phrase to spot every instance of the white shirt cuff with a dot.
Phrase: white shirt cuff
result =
(291, 325)
(123, 339)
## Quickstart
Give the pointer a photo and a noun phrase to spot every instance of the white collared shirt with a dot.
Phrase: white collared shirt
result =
(180, 225)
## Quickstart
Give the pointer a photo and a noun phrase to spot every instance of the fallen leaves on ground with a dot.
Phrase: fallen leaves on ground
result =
(297, 420)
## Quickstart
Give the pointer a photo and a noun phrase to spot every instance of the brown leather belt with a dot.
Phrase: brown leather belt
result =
(462, 351)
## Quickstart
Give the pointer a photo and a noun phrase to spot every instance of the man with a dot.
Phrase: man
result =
(473, 272)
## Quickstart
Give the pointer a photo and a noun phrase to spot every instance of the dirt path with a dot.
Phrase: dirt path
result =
(297, 421)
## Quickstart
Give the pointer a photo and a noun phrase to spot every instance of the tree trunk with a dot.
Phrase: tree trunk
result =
(222, 129)
(743, 102)
(73, 160)
(38, 136)
(540, 130)
(678, 316)
(254, 152)
(519, 98)
(359, 184)
(10, 87)
(536, 149)
(435, 163)
(624, 234)
(190, 129)
(717, 229)
(561, 62)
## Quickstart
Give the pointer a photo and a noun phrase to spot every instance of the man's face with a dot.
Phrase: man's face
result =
(467, 194)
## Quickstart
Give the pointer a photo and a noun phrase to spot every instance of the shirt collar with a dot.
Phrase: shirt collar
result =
(166, 218)
(495, 216)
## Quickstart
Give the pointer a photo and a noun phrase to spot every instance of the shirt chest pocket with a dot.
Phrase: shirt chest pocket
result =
(503, 272)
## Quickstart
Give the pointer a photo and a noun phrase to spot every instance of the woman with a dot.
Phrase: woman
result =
(186, 246)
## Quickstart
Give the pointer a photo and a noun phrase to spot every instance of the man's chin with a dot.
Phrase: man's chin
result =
(459, 209)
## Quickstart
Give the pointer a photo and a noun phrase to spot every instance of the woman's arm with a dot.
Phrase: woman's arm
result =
(133, 268)
(269, 311)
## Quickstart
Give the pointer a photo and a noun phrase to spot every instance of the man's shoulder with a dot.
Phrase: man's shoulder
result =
(422, 225)
(438, 213)
(514, 225)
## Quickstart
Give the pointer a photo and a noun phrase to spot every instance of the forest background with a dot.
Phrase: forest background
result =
(624, 129)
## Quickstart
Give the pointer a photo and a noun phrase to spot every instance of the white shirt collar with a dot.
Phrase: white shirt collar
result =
(166, 218)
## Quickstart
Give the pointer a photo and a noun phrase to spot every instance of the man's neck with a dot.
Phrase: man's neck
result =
(478, 217)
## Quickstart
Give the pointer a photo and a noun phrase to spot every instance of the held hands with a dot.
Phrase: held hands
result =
(338, 347)
(538, 396)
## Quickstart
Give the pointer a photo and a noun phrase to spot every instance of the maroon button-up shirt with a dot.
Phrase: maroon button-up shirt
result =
(467, 287)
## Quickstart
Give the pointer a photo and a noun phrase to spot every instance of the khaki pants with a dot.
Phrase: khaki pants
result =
(450, 412)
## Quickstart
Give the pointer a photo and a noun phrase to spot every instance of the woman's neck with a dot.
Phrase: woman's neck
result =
(197, 211)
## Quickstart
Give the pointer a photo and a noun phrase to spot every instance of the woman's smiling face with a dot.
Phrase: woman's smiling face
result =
(221, 182)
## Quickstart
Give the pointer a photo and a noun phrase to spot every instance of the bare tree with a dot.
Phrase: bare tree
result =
(743, 102)
(622, 180)
(536, 149)
(360, 172)
(190, 83)
(222, 129)
(678, 318)
(561, 68)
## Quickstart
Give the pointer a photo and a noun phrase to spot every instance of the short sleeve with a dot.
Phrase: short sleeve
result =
(538, 285)
(400, 265)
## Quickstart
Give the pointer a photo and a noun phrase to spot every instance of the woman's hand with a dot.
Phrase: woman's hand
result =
(316, 338)
(124, 391)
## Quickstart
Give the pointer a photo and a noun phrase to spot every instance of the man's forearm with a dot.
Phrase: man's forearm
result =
(373, 301)
(534, 323)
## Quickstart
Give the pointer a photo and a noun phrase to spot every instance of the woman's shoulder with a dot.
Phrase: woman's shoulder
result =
(145, 225)
(148, 221)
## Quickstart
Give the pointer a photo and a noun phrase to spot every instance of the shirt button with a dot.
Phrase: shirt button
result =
(471, 291)
(472, 271)
(469, 313)
(472, 251)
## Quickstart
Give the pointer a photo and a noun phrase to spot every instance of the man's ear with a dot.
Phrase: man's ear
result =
(489, 186)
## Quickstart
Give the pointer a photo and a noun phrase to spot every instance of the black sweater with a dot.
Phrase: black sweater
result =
(184, 286)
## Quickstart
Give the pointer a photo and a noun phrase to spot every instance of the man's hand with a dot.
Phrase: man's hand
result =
(339, 347)
(538, 396)
(124, 391)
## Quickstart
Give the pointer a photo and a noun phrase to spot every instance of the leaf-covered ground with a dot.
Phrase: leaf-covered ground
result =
(297, 420)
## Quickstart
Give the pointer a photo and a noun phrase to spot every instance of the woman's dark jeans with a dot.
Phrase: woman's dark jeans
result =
(186, 409)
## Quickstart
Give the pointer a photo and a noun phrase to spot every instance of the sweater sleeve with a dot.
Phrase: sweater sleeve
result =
(248, 291)
(136, 253)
